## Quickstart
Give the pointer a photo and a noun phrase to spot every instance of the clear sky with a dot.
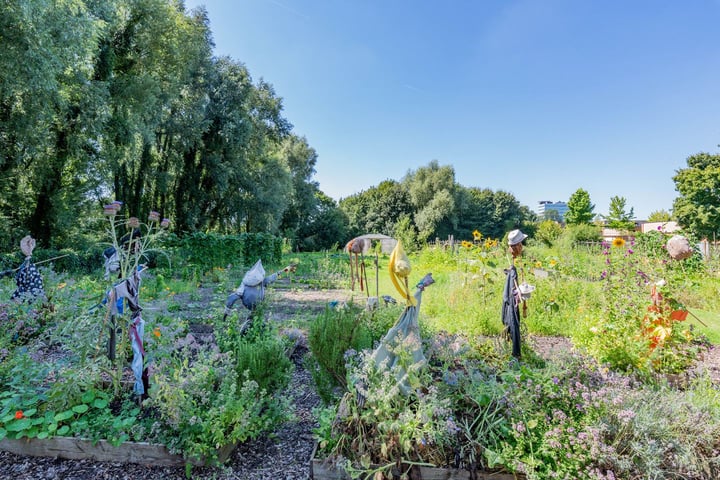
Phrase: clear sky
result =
(534, 97)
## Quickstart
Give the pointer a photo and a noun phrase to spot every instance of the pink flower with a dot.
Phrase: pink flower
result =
(165, 223)
(154, 216)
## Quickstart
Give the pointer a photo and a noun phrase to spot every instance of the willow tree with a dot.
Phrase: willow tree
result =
(50, 109)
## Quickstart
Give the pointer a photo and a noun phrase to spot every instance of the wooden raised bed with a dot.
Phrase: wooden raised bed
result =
(102, 451)
(319, 470)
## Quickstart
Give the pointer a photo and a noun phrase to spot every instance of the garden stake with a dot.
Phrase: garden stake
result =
(697, 318)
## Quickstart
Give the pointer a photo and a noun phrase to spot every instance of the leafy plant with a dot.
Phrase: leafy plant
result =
(332, 334)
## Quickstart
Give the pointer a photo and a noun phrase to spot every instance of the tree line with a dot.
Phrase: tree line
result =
(123, 99)
(105, 100)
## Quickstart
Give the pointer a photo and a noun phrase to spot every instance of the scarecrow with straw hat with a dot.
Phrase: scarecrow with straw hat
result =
(516, 291)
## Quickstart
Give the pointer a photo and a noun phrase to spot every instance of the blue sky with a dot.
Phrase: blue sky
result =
(534, 97)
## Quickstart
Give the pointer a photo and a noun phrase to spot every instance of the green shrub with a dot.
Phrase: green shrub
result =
(265, 361)
(548, 231)
(332, 334)
(208, 250)
(575, 235)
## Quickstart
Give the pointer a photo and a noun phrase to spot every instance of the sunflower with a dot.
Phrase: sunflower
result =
(466, 244)
(477, 235)
(618, 242)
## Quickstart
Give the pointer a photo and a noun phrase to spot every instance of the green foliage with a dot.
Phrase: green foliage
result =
(325, 228)
(332, 334)
(578, 234)
(548, 231)
(208, 404)
(580, 210)
(696, 207)
(617, 217)
(265, 361)
(659, 216)
(207, 250)
(376, 424)
(406, 233)
(222, 165)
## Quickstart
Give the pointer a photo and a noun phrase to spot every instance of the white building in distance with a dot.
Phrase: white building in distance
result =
(546, 205)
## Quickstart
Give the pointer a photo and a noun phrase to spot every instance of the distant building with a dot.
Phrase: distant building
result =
(546, 205)
(665, 227)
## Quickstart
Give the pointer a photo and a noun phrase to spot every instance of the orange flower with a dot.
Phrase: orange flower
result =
(156, 332)
(19, 414)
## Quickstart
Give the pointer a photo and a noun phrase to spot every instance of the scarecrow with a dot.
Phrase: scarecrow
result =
(252, 291)
(514, 293)
(111, 255)
(28, 280)
(406, 331)
(129, 289)
(355, 247)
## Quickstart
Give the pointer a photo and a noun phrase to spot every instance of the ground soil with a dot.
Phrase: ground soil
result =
(286, 453)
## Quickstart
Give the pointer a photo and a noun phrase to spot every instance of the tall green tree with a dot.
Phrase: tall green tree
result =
(432, 193)
(326, 227)
(618, 217)
(580, 210)
(377, 209)
(659, 216)
(147, 61)
(697, 208)
(301, 204)
(49, 111)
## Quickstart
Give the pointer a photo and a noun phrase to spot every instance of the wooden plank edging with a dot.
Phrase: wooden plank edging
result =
(320, 470)
(143, 453)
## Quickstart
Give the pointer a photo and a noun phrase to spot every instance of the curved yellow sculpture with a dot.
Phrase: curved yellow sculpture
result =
(399, 268)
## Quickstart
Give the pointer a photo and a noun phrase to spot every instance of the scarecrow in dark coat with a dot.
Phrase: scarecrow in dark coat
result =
(514, 293)
(28, 280)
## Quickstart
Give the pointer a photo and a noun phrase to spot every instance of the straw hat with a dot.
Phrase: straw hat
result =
(27, 245)
(515, 237)
(526, 290)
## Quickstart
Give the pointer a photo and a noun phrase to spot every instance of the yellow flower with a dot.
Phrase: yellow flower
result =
(618, 242)
(61, 286)
(538, 264)
(477, 235)
(466, 244)
(553, 262)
